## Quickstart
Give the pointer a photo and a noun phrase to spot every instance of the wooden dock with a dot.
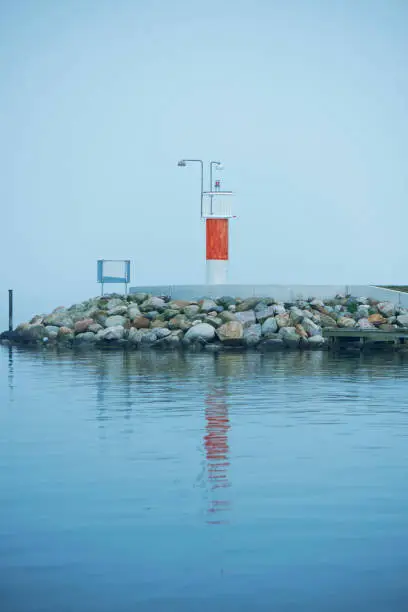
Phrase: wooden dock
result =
(343, 338)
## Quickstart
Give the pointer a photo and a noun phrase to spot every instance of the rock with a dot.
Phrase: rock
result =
(122, 309)
(317, 342)
(226, 301)
(226, 316)
(191, 311)
(362, 312)
(248, 304)
(364, 323)
(95, 328)
(114, 332)
(214, 321)
(115, 321)
(153, 303)
(402, 320)
(252, 335)
(300, 330)
(327, 321)
(149, 338)
(158, 324)
(113, 303)
(271, 344)
(133, 311)
(83, 326)
(387, 309)
(201, 331)
(85, 338)
(346, 322)
(141, 323)
(265, 313)
(269, 326)
(37, 320)
(59, 319)
(139, 298)
(311, 328)
(100, 317)
(53, 331)
(231, 333)
(296, 315)
(174, 340)
(206, 305)
(377, 319)
(32, 333)
(289, 336)
(65, 333)
(282, 320)
(278, 309)
(179, 304)
(316, 304)
(151, 315)
(246, 317)
(162, 332)
(179, 322)
(135, 336)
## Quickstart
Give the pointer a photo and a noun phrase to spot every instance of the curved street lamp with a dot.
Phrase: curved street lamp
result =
(183, 162)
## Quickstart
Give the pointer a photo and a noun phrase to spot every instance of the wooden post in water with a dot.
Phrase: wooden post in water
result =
(10, 310)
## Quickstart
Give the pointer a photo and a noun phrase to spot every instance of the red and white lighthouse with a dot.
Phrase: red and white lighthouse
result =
(217, 212)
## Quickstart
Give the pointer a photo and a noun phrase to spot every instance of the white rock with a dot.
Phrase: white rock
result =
(202, 331)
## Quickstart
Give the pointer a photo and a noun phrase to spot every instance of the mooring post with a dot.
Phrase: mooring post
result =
(10, 310)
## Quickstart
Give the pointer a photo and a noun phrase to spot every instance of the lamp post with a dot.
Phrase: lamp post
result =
(182, 163)
(216, 223)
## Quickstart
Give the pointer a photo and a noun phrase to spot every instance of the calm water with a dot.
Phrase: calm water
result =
(160, 482)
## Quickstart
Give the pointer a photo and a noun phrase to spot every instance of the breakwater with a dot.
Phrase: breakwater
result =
(141, 320)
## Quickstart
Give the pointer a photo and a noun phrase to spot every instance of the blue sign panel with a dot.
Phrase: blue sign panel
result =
(113, 271)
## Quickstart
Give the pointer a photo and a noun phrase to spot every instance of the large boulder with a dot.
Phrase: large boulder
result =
(115, 321)
(112, 333)
(246, 317)
(179, 322)
(201, 331)
(191, 311)
(311, 328)
(252, 335)
(265, 313)
(121, 309)
(162, 332)
(226, 301)
(316, 342)
(296, 315)
(153, 303)
(282, 320)
(269, 326)
(83, 326)
(53, 331)
(377, 319)
(364, 323)
(207, 305)
(387, 309)
(248, 304)
(227, 315)
(231, 333)
(346, 322)
(85, 338)
(327, 321)
(59, 319)
(270, 345)
(402, 320)
(289, 336)
(141, 322)
(113, 303)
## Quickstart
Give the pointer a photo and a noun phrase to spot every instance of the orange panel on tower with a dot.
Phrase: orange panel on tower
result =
(217, 239)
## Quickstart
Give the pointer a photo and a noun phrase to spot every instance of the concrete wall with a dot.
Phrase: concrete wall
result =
(284, 293)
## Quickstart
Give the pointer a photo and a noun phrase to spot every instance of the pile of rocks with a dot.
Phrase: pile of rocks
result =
(140, 320)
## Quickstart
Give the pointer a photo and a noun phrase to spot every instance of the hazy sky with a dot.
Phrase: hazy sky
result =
(304, 101)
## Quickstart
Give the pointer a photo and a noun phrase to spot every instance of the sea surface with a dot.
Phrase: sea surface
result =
(191, 482)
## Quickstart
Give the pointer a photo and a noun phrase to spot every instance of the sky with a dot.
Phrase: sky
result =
(303, 101)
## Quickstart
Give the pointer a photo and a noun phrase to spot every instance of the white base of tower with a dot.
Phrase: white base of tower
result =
(217, 271)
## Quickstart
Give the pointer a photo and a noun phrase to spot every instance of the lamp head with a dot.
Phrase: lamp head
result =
(181, 163)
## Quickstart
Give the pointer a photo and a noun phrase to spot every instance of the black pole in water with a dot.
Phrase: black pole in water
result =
(10, 310)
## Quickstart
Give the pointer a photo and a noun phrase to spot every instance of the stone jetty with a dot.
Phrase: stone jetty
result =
(141, 321)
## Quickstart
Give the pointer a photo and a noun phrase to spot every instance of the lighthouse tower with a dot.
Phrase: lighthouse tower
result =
(217, 211)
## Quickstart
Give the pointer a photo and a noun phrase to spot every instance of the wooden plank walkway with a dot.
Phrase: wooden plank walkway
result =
(343, 337)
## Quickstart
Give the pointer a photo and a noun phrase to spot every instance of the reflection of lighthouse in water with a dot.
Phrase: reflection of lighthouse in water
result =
(217, 451)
